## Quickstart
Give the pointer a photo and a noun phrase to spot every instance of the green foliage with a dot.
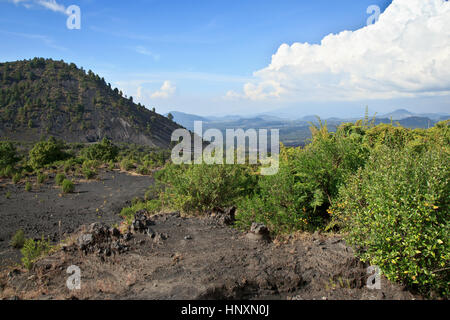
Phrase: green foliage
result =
(7, 172)
(8, 195)
(28, 186)
(111, 165)
(151, 206)
(60, 177)
(32, 250)
(104, 151)
(200, 188)
(68, 186)
(41, 177)
(17, 177)
(89, 168)
(127, 164)
(387, 135)
(395, 211)
(144, 169)
(18, 240)
(8, 155)
(308, 180)
(46, 152)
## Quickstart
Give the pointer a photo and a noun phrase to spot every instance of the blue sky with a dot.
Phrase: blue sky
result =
(198, 56)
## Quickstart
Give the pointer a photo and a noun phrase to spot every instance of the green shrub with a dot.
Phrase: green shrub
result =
(200, 188)
(111, 165)
(73, 163)
(104, 151)
(46, 152)
(18, 240)
(16, 178)
(8, 195)
(127, 214)
(68, 186)
(395, 212)
(153, 192)
(27, 169)
(28, 186)
(88, 173)
(143, 169)
(8, 154)
(60, 177)
(152, 206)
(89, 168)
(41, 178)
(297, 197)
(127, 164)
(32, 250)
(8, 172)
(67, 168)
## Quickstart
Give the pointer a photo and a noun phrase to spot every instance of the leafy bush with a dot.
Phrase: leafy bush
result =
(88, 173)
(89, 168)
(60, 177)
(396, 213)
(17, 177)
(8, 155)
(18, 240)
(68, 186)
(143, 169)
(104, 151)
(127, 164)
(73, 163)
(152, 206)
(154, 191)
(200, 188)
(46, 152)
(28, 186)
(7, 172)
(111, 165)
(41, 178)
(308, 180)
(32, 250)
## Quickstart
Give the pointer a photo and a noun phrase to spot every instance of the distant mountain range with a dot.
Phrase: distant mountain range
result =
(296, 132)
(43, 97)
(401, 114)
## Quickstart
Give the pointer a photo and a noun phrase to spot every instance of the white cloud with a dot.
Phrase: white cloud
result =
(405, 54)
(48, 4)
(144, 51)
(166, 91)
(43, 38)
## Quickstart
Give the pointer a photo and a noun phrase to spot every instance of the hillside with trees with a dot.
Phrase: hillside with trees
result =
(42, 97)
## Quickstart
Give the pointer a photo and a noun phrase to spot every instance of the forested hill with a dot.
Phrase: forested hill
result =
(43, 97)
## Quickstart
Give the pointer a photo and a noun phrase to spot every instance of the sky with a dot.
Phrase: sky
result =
(219, 57)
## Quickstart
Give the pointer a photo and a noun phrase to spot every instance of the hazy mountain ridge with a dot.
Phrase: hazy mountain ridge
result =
(296, 132)
(43, 97)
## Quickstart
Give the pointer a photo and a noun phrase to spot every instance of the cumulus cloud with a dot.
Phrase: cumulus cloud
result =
(166, 91)
(48, 4)
(405, 54)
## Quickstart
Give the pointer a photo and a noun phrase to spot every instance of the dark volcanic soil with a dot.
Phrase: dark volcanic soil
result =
(193, 258)
(181, 258)
(39, 212)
